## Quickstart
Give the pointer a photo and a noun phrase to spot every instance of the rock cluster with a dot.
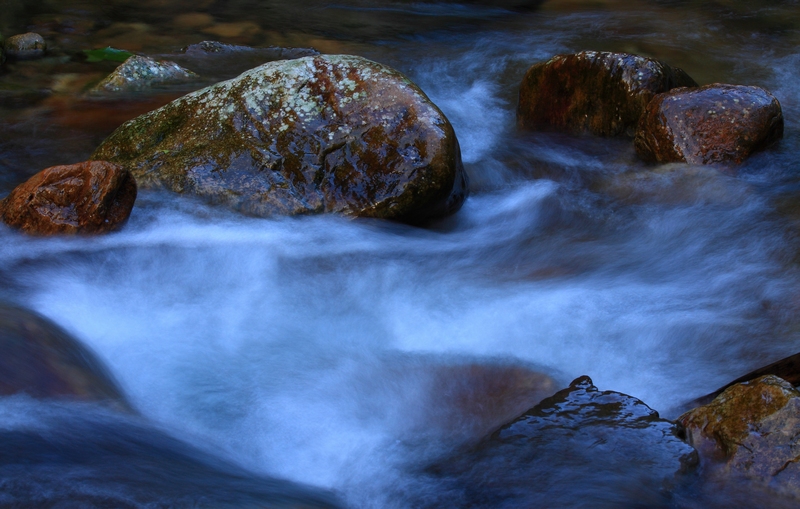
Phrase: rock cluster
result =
(331, 133)
(84, 198)
(672, 119)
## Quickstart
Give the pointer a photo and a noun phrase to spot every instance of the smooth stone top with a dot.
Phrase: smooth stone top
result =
(25, 46)
(596, 91)
(712, 124)
(138, 72)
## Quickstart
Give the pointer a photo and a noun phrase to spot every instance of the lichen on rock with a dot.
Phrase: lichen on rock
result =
(333, 133)
(139, 72)
(753, 428)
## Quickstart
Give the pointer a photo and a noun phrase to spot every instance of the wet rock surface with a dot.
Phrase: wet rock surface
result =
(43, 361)
(25, 46)
(711, 124)
(753, 428)
(317, 134)
(85, 198)
(138, 73)
(79, 456)
(580, 430)
(593, 91)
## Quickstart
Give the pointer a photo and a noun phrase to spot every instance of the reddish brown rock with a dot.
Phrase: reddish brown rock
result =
(599, 92)
(88, 197)
(754, 428)
(711, 124)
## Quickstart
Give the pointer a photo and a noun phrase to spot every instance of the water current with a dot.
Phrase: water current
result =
(339, 353)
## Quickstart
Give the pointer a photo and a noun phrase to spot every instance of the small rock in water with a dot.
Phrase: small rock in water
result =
(84, 198)
(43, 361)
(754, 428)
(25, 46)
(333, 133)
(138, 72)
(567, 449)
(711, 124)
(599, 92)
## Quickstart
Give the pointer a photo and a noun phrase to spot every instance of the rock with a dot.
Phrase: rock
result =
(2, 50)
(787, 368)
(42, 360)
(331, 133)
(599, 92)
(753, 427)
(58, 455)
(89, 197)
(25, 46)
(580, 430)
(138, 72)
(711, 124)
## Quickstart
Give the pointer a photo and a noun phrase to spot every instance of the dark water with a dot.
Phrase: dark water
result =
(342, 353)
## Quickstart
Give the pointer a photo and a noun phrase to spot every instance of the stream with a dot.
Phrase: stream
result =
(339, 353)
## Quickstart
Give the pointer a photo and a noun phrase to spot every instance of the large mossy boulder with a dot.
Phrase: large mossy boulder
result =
(753, 428)
(43, 361)
(566, 450)
(711, 124)
(594, 91)
(91, 197)
(318, 134)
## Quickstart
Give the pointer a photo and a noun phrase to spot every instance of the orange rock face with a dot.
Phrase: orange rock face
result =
(599, 92)
(753, 428)
(711, 124)
(89, 197)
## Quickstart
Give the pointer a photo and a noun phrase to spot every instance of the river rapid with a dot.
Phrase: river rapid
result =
(340, 353)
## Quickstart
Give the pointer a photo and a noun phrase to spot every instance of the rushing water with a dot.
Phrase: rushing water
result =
(341, 353)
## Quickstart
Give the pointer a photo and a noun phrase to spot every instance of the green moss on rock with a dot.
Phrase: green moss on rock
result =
(332, 133)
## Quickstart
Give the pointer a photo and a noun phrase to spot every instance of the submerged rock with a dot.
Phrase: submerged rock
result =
(42, 360)
(581, 431)
(711, 124)
(85, 198)
(138, 72)
(599, 92)
(754, 428)
(25, 46)
(332, 133)
(58, 455)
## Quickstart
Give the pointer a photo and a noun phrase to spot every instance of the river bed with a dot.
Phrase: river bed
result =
(312, 348)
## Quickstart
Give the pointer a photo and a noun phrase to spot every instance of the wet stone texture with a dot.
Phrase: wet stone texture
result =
(138, 72)
(317, 134)
(25, 46)
(85, 198)
(754, 428)
(599, 92)
(711, 124)
(43, 361)
(580, 431)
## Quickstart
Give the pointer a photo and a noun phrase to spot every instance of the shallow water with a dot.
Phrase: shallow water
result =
(343, 353)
